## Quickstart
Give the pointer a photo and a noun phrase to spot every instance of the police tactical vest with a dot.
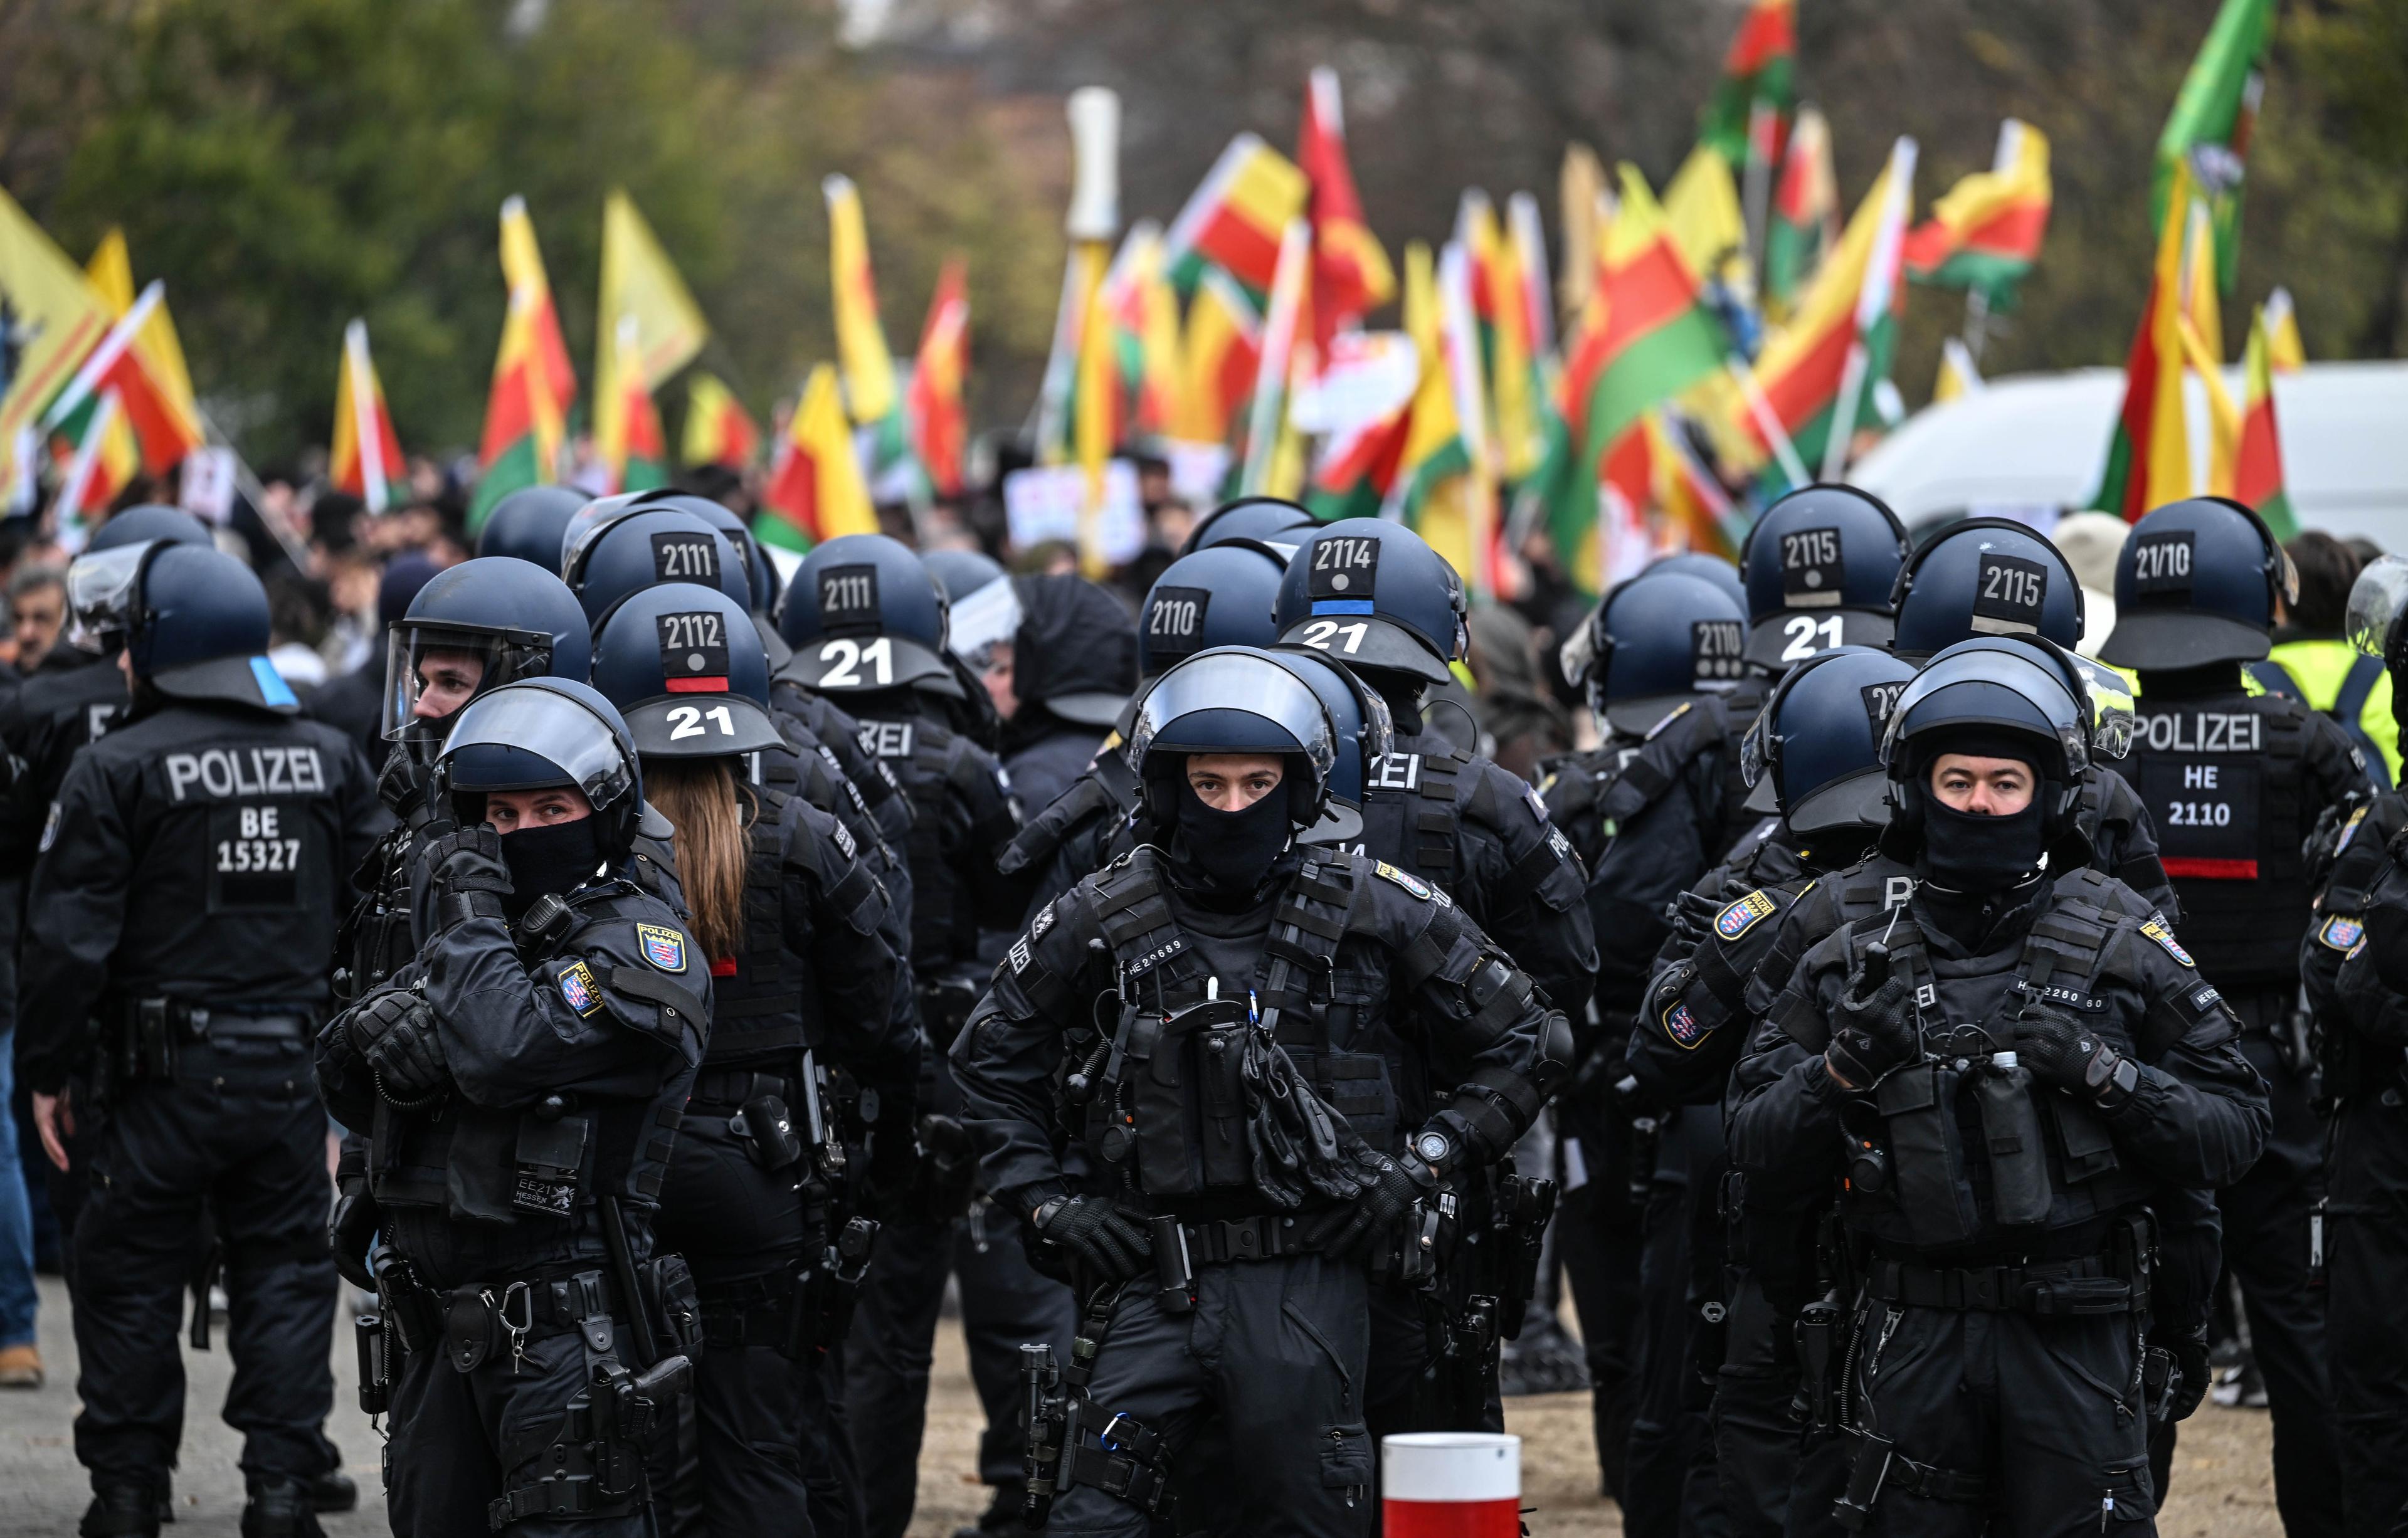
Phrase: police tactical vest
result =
(1573, 787)
(934, 765)
(765, 1000)
(1408, 806)
(540, 1163)
(2221, 778)
(1172, 1118)
(1921, 1124)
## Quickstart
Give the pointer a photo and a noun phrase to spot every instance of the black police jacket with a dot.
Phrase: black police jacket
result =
(1043, 764)
(50, 717)
(2347, 854)
(2234, 784)
(569, 1056)
(2197, 1116)
(1391, 1001)
(198, 853)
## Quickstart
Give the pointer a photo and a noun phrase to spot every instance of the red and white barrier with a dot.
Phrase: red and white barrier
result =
(1451, 1485)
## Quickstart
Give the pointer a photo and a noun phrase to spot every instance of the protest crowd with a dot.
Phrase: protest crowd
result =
(1334, 878)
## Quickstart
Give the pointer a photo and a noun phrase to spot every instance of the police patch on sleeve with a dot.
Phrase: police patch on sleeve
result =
(1412, 883)
(1043, 921)
(1018, 956)
(2341, 933)
(845, 846)
(2158, 930)
(1743, 916)
(50, 830)
(1685, 1029)
(578, 990)
(2348, 830)
(663, 948)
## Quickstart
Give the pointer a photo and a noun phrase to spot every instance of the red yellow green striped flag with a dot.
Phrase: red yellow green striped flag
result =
(815, 489)
(1351, 274)
(366, 459)
(1805, 214)
(933, 402)
(718, 429)
(638, 453)
(1986, 232)
(534, 385)
(1220, 352)
(1233, 221)
(2257, 480)
(1760, 69)
(2148, 456)
(860, 339)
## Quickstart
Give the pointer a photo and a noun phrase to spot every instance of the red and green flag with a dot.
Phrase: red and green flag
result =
(718, 429)
(1351, 275)
(1986, 232)
(641, 458)
(1233, 220)
(815, 489)
(1759, 78)
(1805, 223)
(2148, 455)
(366, 459)
(2257, 480)
(933, 402)
(534, 386)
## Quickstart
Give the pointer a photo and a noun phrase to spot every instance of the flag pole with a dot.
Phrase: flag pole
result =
(1977, 319)
(1760, 410)
(1279, 342)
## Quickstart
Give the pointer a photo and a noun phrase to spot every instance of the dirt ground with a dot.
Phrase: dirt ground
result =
(2223, 1478)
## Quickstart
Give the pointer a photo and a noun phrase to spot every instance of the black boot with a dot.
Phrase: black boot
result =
(122, 1508)
(280, 1508)
(332, 1491)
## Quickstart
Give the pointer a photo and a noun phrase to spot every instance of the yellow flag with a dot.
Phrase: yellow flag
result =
(1702, 204)
(639, 284)
(2166, 455)
(50, 316)
(860, 340)
(161, 351)
(111, 271)
(815, 488)
(2284, 350)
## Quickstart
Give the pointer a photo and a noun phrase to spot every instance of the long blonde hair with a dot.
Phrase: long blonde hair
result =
(698, 796)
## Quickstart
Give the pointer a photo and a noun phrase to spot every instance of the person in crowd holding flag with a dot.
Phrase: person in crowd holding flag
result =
(184, 897)
(2237, 783)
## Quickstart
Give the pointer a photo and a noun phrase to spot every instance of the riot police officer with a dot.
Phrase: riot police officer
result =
(1271, 520)
(1812, 761)
(2352, 960)
(759, 1199)
(2235, 783)
(1251, 1106)
(2007, 1071)
(524, 1076)
(1821, 569)
(528, 525)
(867, 624)
(1995, 577)
(184, 897)
(1221, 595)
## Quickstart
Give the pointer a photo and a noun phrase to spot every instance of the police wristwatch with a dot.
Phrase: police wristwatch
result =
(1045, 1211)
(1436, 1147)
(2111, 1077)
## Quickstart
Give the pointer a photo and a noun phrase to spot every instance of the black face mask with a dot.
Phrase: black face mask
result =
(1980, 854)
(1234, 850)
(556, 858)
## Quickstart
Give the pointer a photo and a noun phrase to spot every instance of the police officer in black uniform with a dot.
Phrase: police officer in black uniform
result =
(1220, 595)
(867, 624)
(1994, 577)
(2352, 963)
(1373, 595)
(759, 1197)
(2007, 1070)
(2236, 783)
(525, 1077)
(184, 898)
(1274, 521)
(1812, 760)
(1256, 1118)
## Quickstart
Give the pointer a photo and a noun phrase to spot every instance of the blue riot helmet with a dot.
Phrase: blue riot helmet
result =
(1713, 568)
(474, 627)
(962, 572)
(536, 733)
(1373, 594)
(637, 548)
(1658, 640)
(686, 669)
(148, 522)
(1984, 577)
(583, 520)
(2373, 620)
(1366, 734)
(1235, 700)
(1813, 754)
(982, 607)
(2196, 583)
(530, 523)
(1274, 520)
(2113, 716)
(195, 625)
(1820, 567)
(863, 614)
(1222, 595)
(1991, 693)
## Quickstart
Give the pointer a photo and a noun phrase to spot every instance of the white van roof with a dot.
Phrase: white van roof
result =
(2031, 444)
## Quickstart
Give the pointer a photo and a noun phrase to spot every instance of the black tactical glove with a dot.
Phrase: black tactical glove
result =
(393, 1033)
(1692, 917)
(1359, 1231)
(1104, 1239)
(349, 1231)
(466, 861)
(2060, 1050)
(2190, 1350)
(401, 784)
(1875, 1031)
